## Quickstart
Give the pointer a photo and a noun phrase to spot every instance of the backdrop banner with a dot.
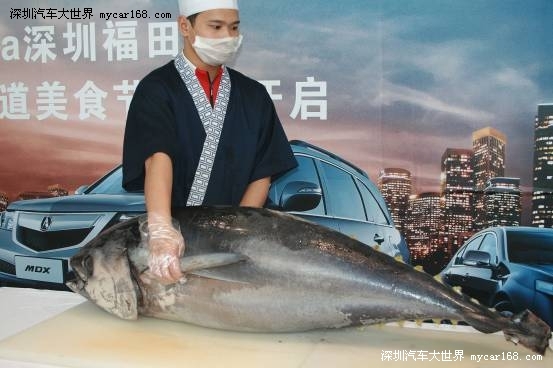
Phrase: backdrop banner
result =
(438, 101)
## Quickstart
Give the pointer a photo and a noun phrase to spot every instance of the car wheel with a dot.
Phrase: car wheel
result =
(504, 307)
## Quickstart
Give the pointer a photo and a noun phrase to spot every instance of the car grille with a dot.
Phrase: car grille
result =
(44, 241)
(6, 267)
(44, 232)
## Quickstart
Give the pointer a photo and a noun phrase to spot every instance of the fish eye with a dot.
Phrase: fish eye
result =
(88, 265)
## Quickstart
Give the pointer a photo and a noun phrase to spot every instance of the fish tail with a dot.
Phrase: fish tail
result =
(523, 328)
(527, 329)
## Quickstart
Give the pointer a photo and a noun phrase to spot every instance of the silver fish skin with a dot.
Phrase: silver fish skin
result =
(259, 270)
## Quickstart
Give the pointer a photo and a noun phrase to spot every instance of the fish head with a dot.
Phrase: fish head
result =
(103, 273)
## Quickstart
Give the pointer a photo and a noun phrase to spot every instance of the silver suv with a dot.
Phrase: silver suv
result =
(37, 237)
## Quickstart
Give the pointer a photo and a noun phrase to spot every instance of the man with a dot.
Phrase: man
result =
(199, 133)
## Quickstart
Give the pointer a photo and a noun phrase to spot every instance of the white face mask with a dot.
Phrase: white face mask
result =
(217, 51)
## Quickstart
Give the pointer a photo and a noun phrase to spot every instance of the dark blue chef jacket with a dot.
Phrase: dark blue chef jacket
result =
(163, 118)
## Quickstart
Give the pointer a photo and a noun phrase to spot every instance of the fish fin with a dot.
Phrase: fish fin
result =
(209, 274)
(203, 261)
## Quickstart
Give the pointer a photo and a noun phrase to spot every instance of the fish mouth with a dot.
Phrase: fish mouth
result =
(82, 270)
(77, 285)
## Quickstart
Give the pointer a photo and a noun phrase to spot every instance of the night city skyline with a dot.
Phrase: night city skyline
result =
(474, 193)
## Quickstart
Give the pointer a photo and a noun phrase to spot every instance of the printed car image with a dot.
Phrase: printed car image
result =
(37, 237)
(508, 268)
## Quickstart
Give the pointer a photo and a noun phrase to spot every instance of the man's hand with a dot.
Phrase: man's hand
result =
(166, 245)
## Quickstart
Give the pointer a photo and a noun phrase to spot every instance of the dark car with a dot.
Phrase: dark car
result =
(508, 268)
(37, 237)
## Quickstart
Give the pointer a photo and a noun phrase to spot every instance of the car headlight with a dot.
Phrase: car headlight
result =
(128, 216)
(544, 287)
(6, 220)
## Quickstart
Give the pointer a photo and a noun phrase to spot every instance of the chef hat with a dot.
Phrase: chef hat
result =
(190, 7)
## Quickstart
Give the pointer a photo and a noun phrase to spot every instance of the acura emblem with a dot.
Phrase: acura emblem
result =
(46, 223)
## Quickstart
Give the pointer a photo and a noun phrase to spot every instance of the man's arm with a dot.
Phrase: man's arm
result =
(256, 193)
(166, 243)
(158, 184)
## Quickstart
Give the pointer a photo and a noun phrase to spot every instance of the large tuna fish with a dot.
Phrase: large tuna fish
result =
(259, 270)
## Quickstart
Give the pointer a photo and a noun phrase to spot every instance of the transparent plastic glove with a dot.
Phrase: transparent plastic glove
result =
(166, 246)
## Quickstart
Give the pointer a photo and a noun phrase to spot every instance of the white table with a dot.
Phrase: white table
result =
(21, 309)
(46, 329)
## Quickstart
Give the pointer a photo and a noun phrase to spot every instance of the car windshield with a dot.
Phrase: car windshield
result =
(530, 247)
(109, 184)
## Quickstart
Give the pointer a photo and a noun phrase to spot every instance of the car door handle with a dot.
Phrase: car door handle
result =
(378, 238)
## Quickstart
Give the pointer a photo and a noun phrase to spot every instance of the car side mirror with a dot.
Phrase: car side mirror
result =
(80, 190)
(300, 196)
(477, 258)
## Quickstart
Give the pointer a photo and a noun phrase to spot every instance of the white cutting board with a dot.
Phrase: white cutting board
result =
(86, 336)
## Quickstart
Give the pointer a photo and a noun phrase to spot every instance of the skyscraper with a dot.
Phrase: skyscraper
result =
(457, 187)
(488, 162)
(542, 193)
(423, 224)
(395, 186)
(502, 202)
(3, 201)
